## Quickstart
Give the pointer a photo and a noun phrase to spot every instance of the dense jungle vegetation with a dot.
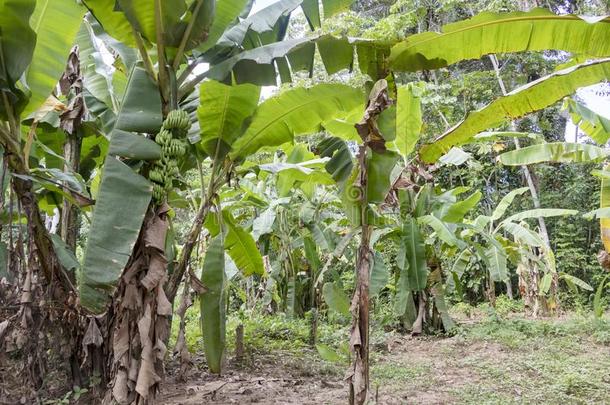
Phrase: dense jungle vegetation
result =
(304, 201)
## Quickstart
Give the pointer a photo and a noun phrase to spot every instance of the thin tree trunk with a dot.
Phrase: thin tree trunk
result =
(70, 212)
(71, 85)
(529, 177)
(359, 339)
(185, 255)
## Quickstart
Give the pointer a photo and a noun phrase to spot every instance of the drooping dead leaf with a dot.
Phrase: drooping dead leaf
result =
(26, 289)
(161, 328)
(156, 271)
(164, 307)
(120, 390)
(160, 350)
(379, 100)
(3, 329)
(146, 374)
(93, 336)
(155, 234)
(144, 326)
(132, 298)
(196, 284)
(120, 340)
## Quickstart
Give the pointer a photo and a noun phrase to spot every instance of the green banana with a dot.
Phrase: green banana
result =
(163, 172)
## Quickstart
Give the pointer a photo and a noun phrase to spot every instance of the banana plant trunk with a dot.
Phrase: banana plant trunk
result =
(359, 337)
(137, 321)
(373, 142)
(71, 84)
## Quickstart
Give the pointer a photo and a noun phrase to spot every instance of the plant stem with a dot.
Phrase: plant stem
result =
(144, 54)
(163, 74)
(359, 341)
(186, 35)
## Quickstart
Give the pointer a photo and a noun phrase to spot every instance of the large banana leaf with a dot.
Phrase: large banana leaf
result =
(133, 146)
(141, 106)
(523, 235)
(496, 261)
(213, 304)
(340, 164)
(506, 201)
(408, 118)
(438, 293)
(259, 22)
(591, 123)
(488, 33)
(127, 54)
(56, 23)
(442, 232)
(114, 21)
(123, 196)
(559, 152)
(97, 76)
(222, 112)
(456, 157)
(379, 275)
(335, 298)
(540, 212)
(524, 100)
(227, 12)
(604, 202)
(294, 112)
(332, 7)
(245, 63)
(259, 65)
(461, 263)
(204, 19)
(412, 256)
(119, 211)
(239, 243)
(458, 210)
(311, 10)
(17, 40)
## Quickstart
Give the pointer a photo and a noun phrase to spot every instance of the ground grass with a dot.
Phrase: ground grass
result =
(496, 356)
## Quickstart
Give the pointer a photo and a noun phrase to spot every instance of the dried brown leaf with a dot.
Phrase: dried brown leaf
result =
(164, 307)
(156, 271)
(93, 336)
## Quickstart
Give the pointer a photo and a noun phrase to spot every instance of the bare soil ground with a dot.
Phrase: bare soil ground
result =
(518, 362)
(490, 361)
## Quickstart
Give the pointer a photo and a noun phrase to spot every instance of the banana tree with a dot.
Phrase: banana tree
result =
(137, 168)
(497, 239)
(511, 32)
(546, 91)
(35, 41)
(421, 282)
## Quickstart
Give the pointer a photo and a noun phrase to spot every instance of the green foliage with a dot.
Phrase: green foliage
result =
(536, 30)
(524, 100)
(213, 304)
(107, 250)
(222, 113)
(294, 112)
(56, 24)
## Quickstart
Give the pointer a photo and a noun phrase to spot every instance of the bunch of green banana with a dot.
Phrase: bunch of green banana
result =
(164, 170)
